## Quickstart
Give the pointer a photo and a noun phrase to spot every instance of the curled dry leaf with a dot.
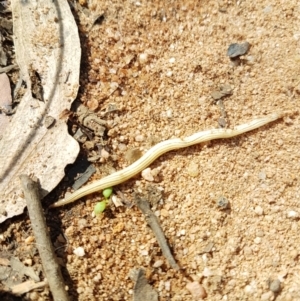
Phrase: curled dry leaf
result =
(47, 45)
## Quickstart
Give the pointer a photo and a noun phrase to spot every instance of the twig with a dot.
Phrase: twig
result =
(8, 68)
(38, 222)
(153, 222)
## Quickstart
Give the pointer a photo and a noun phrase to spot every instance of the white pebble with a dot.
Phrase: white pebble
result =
(293, 214)
(268, 296)
(79, 252)
(257, 240)
(169, 73)
(143, 58)
(104, 154)
(193, 169)
(147, 175)
(97, 278)
(169, 113)
(172, 60)
(139, 138)
(28, 262)
(197, 290)
(262, 175)
(206, 272)
(158, 263)
(113, 85)
(249, 289)
(258, 210)
(144, 253)
(167, 285)
(180, 233)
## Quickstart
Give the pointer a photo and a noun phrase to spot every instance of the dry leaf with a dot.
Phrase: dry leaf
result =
(5, 100)
(47, 49)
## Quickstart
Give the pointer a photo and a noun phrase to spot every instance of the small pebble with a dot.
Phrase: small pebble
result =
(250, 59)
(144, 253)
(292, 214)
(250, 290)
(29, 240)
(180, 233)
(222, 203)
(167, 285)
(79, 252)
(294, 253)
(275, 286)
(139, 138)
(143, 58)
(49, 121)
(247, 251)
(235, 49)
(104, 154)
(206, 272)
(97, 278)
(262, 175)
(82, 223)
(147, 175)
(221, 91)
(89, 145)
(197, 290)
(193, 169)
(257, 240)
(158, 263)
(169, 73)
(28, 262)
(258, 210)
(216, 94)
(122, 147)
(169, 113)
(268, 296)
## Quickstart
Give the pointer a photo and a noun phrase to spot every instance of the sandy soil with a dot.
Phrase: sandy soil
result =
(166, 58)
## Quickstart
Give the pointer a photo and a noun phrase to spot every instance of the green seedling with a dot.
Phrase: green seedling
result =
(107, 192)
(100, 207)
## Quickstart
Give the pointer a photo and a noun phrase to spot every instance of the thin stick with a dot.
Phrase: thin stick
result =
(44, 245)
(153, 222)
(8, 68)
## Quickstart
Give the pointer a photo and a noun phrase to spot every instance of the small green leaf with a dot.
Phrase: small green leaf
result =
(100, 207)
(107, 192)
